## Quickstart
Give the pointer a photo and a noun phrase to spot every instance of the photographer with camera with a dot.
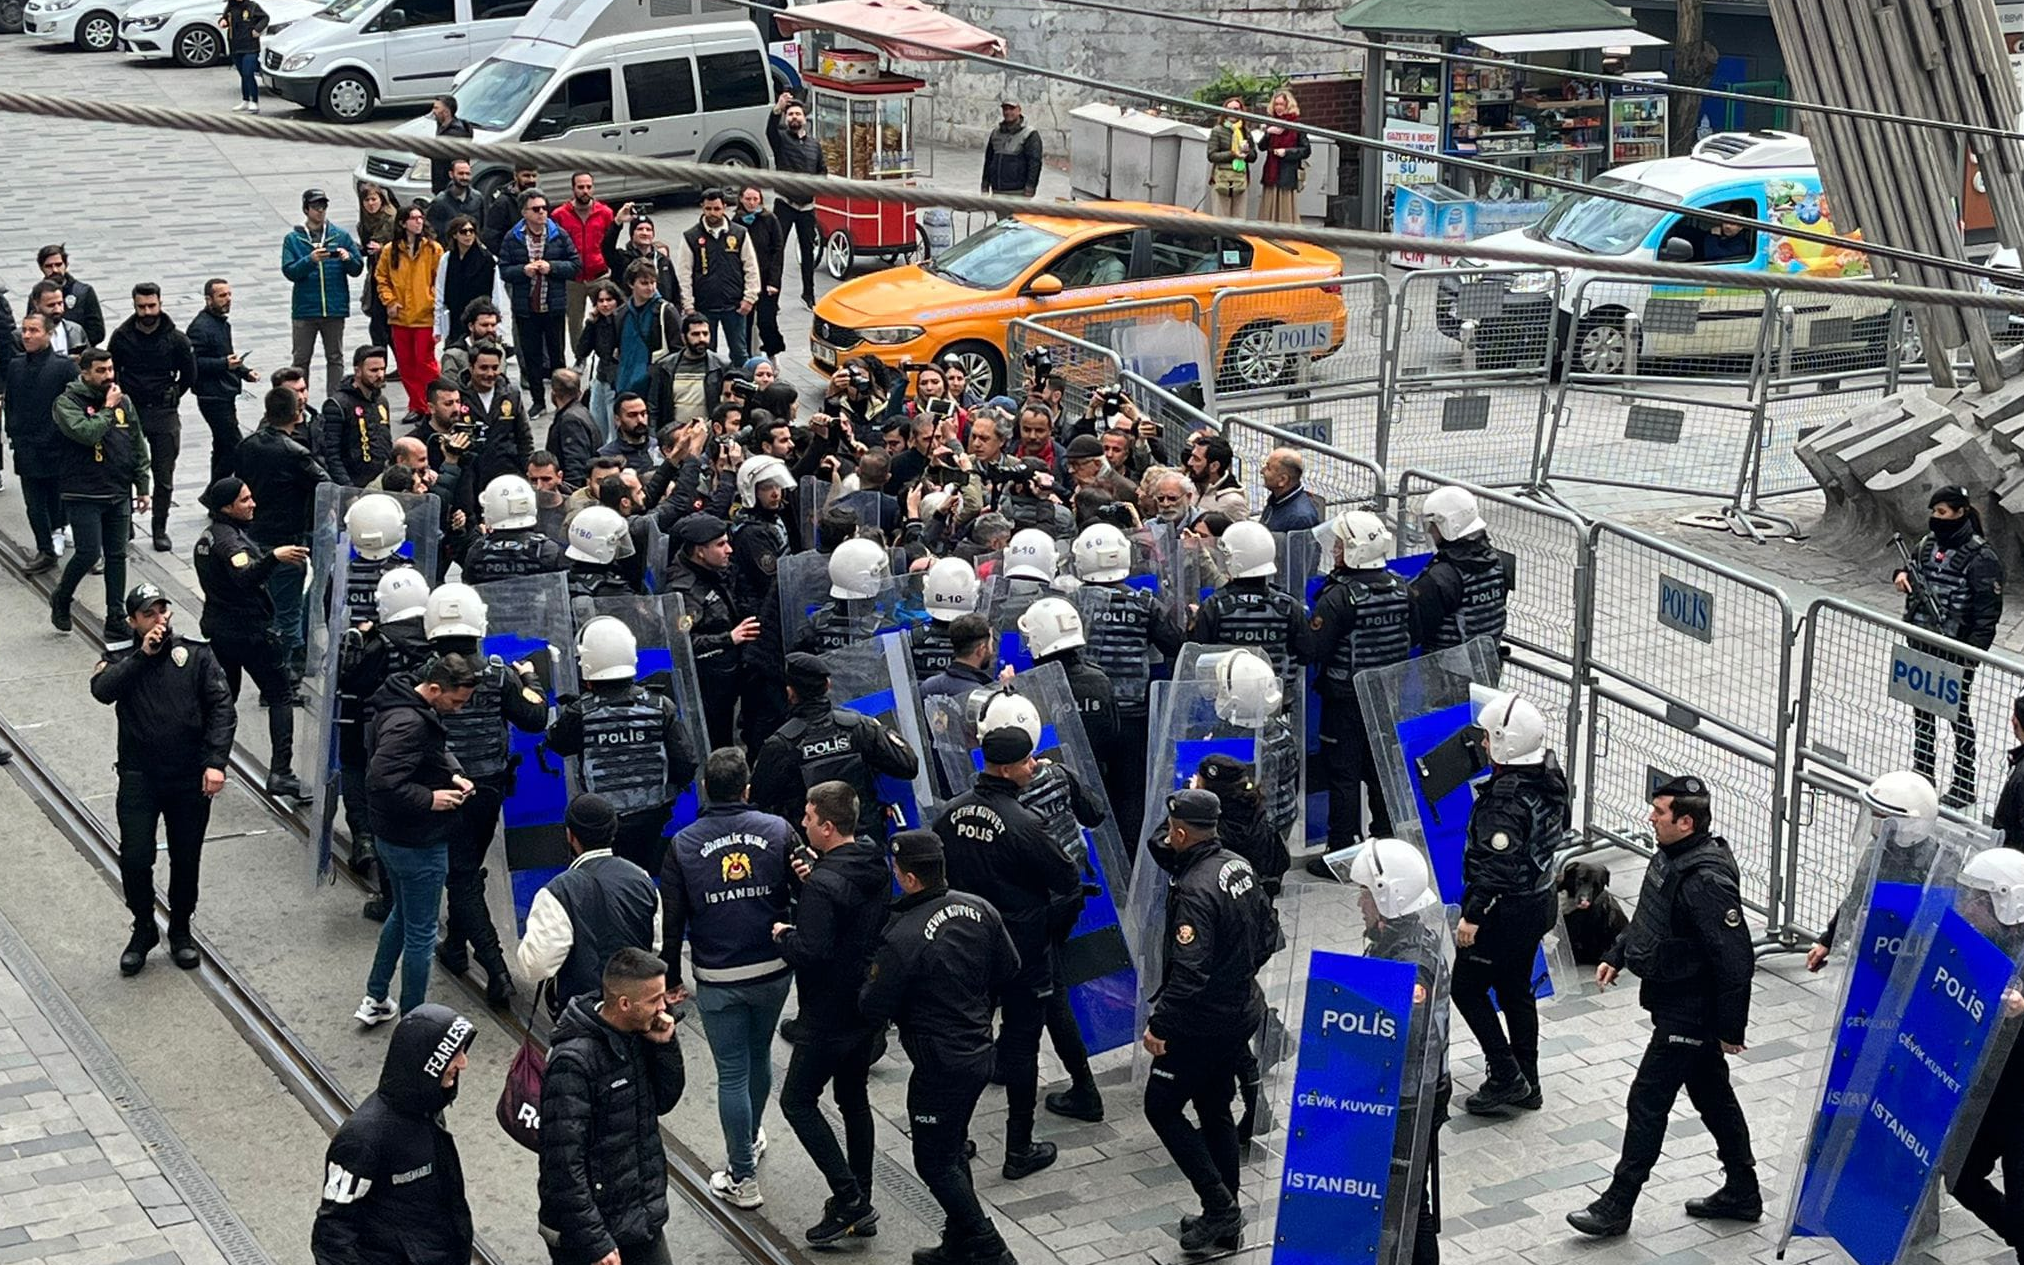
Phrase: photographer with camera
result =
(687, 384)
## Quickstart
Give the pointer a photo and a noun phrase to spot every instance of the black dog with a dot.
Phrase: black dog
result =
(1594, 918)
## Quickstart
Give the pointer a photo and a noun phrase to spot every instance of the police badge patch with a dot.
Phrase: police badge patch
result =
(1185, 934)
(179, 656)
(1733, 918)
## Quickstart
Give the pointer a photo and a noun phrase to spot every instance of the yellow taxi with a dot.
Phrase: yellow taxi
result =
(960, 303)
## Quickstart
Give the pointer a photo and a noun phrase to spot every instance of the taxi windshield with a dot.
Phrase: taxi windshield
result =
(993, 258)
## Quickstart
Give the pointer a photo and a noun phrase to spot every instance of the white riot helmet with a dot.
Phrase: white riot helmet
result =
(508, 502)
(1250, 551)
(1395, 874)
(1051, 626)
(1516, 730)
(950, 590)
(1904, 796)
(1452, 512)
(1030, 555)
(606, 650)
(377, 525)
(402, 593)
(1002, 709)
(1999, 872)
(760, 472)
(454, 610)
(1102, 554)
(859, 569)
(1247, 689)
(594, 535)
(1363, 539)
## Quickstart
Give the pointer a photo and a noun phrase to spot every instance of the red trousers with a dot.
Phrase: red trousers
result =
(415, 355)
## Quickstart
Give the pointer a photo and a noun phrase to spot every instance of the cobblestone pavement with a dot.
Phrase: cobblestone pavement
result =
(78, 1185)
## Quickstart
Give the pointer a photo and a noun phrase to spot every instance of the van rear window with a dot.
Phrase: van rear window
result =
(734, 81)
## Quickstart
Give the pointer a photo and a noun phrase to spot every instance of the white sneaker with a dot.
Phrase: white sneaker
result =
(252, 107)
(59, 540)
(241, 107)
(743, 1194)
(373, 1013)
(759, 1147)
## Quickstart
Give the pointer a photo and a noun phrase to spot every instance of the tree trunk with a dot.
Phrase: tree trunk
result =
(1693, 64)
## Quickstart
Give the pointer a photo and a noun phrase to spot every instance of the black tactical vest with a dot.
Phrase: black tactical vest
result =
(931, 649)
(625, 757)
(825, 745)
(1650, 948)
(502, 555)
(1380, 633)
(1257, 618)
(477, 731)
(1946, 575)
(836, 626)
(1117, 623)
(361, 585)
(1481, 613)
(1050, 797)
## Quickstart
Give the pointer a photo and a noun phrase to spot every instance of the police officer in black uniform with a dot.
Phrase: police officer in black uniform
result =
(238, 618)
(943, 957)
(1219, 932)
(635, 751)
(997, 848)
(949, 591)
(1250, 609)
(719, 630)
(1508, 901)
(860, 570)
(1689, 945)
(175, 739)
(393, 642)
(1125, 627)
(1360, 622)
(513, 543)
(1054, 634)
(1461, 594)
(765, 530)
(477, 734)
(821, 743)
(1957, 592)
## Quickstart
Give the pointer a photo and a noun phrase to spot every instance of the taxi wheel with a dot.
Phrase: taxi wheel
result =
(97, 32)
(1248, 362)
(838, 255)
(982, 364)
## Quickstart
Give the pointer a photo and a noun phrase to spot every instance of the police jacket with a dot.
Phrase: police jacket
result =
(1004, 853)
(1408, 939)
(1519, 820)
(603, 1181)
(1688, 942)
(2009, 815)
(714, 612)
(837, 920)
(820, 743)
(34, 381)
(210, 338)
(409, 762)
(1247, 829)
(232, 571)
(155, 367)
(1094, 698)
(1124, 625)
(510, 552)
(942, 959)
(1362, 620)
(1461, 594)
(393, 1186)
(759, 539)
(478, 731)
(175, 710)
(1967, 582)
(725, 883)
(504, 440)
(1255, 613)
(1220, 930)
(283, 476)
(957, 680)
(358, 436)
(602, 903)
(105, 453)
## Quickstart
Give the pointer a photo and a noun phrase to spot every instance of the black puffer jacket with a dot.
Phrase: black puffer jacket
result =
(410, 761)
(604, 1177)
(33, 383)
(393, 1187)
(1519, 821)
(836, 930)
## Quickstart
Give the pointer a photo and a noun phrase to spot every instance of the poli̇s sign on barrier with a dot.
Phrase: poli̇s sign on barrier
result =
(1927, 682)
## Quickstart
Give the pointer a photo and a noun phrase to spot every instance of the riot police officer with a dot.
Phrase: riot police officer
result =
(238, 618)
(1461, 594)
(594, 535)
(719, 629)
(1054, 634)
(1219, 932)
(370, 653)
(1250, 609)
(1689, 945)
(949, 592)
(455, 622)
(765, 530)
(1127, 627)
(1249, 704)
(1955, 588)
(821, 743)
(943, 956)
(1030, 561)
(1360, 622)
(1911, 801)
(378, 527)
(860, 572)
(635, 751)
(1508, 902)
(1992, 884)
(514, 543)
(175, 739)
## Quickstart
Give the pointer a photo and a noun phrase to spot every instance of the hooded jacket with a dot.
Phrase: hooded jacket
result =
(393, 1186)
(410, 762)
(604, 1177)
(836, 929)
(321, 288)
(155, 367)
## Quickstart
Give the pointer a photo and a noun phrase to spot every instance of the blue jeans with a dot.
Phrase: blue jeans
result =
(601, 396)
(249, 83)
(414, 887)
(739, 1020)
(737, 347)
(284, 585)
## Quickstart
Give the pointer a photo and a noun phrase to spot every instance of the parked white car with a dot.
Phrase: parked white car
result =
(92, 25)
(189, 32)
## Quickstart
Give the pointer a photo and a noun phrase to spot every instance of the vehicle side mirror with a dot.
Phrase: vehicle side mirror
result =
(1676, 250)
(393, 19)
(1044, 286)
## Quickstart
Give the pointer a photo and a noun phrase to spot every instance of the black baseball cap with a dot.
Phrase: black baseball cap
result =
(310, 197)
(142, 596)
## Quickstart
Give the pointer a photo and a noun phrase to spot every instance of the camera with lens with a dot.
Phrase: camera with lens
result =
(1111, 400)
(1008, 472)
(745, 391)
(1040, 361)
(859, 379)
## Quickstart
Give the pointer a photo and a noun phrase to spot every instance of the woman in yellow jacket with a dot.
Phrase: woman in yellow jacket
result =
(405, 277)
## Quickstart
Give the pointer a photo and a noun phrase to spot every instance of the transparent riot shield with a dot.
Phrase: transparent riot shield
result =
(875, 678)
(316, 751)
(813, 621)
(651, 544)
(1900, 861)
(1370, 1085)
(1095, 962)
(1913, 1102)
(681, 684)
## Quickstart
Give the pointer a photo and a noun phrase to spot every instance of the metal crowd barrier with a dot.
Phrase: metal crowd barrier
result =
(1339, 480)
(1084, 367)
(1308, 357)
(1832, 355)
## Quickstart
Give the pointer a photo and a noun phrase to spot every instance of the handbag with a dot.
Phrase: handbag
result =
(520, 1101)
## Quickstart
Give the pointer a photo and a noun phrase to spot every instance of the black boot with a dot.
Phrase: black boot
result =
(1528, 1066)
(376, 909)
(363, 856)
(1507, 1087)
(1219, 1231)
(453, 956)
(1735, 1201)
(498, 980)
(1078, 1102)
(987, 1248)
(1027, 1160)
(281, 779)
(856, 1220)
(182, 945)
(135, 955)
(1606, 1218)
(1247, 1124)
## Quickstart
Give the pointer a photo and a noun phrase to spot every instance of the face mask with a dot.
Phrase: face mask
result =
(1946, 528)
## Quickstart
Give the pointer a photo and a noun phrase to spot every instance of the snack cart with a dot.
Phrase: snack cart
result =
(862, 113)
